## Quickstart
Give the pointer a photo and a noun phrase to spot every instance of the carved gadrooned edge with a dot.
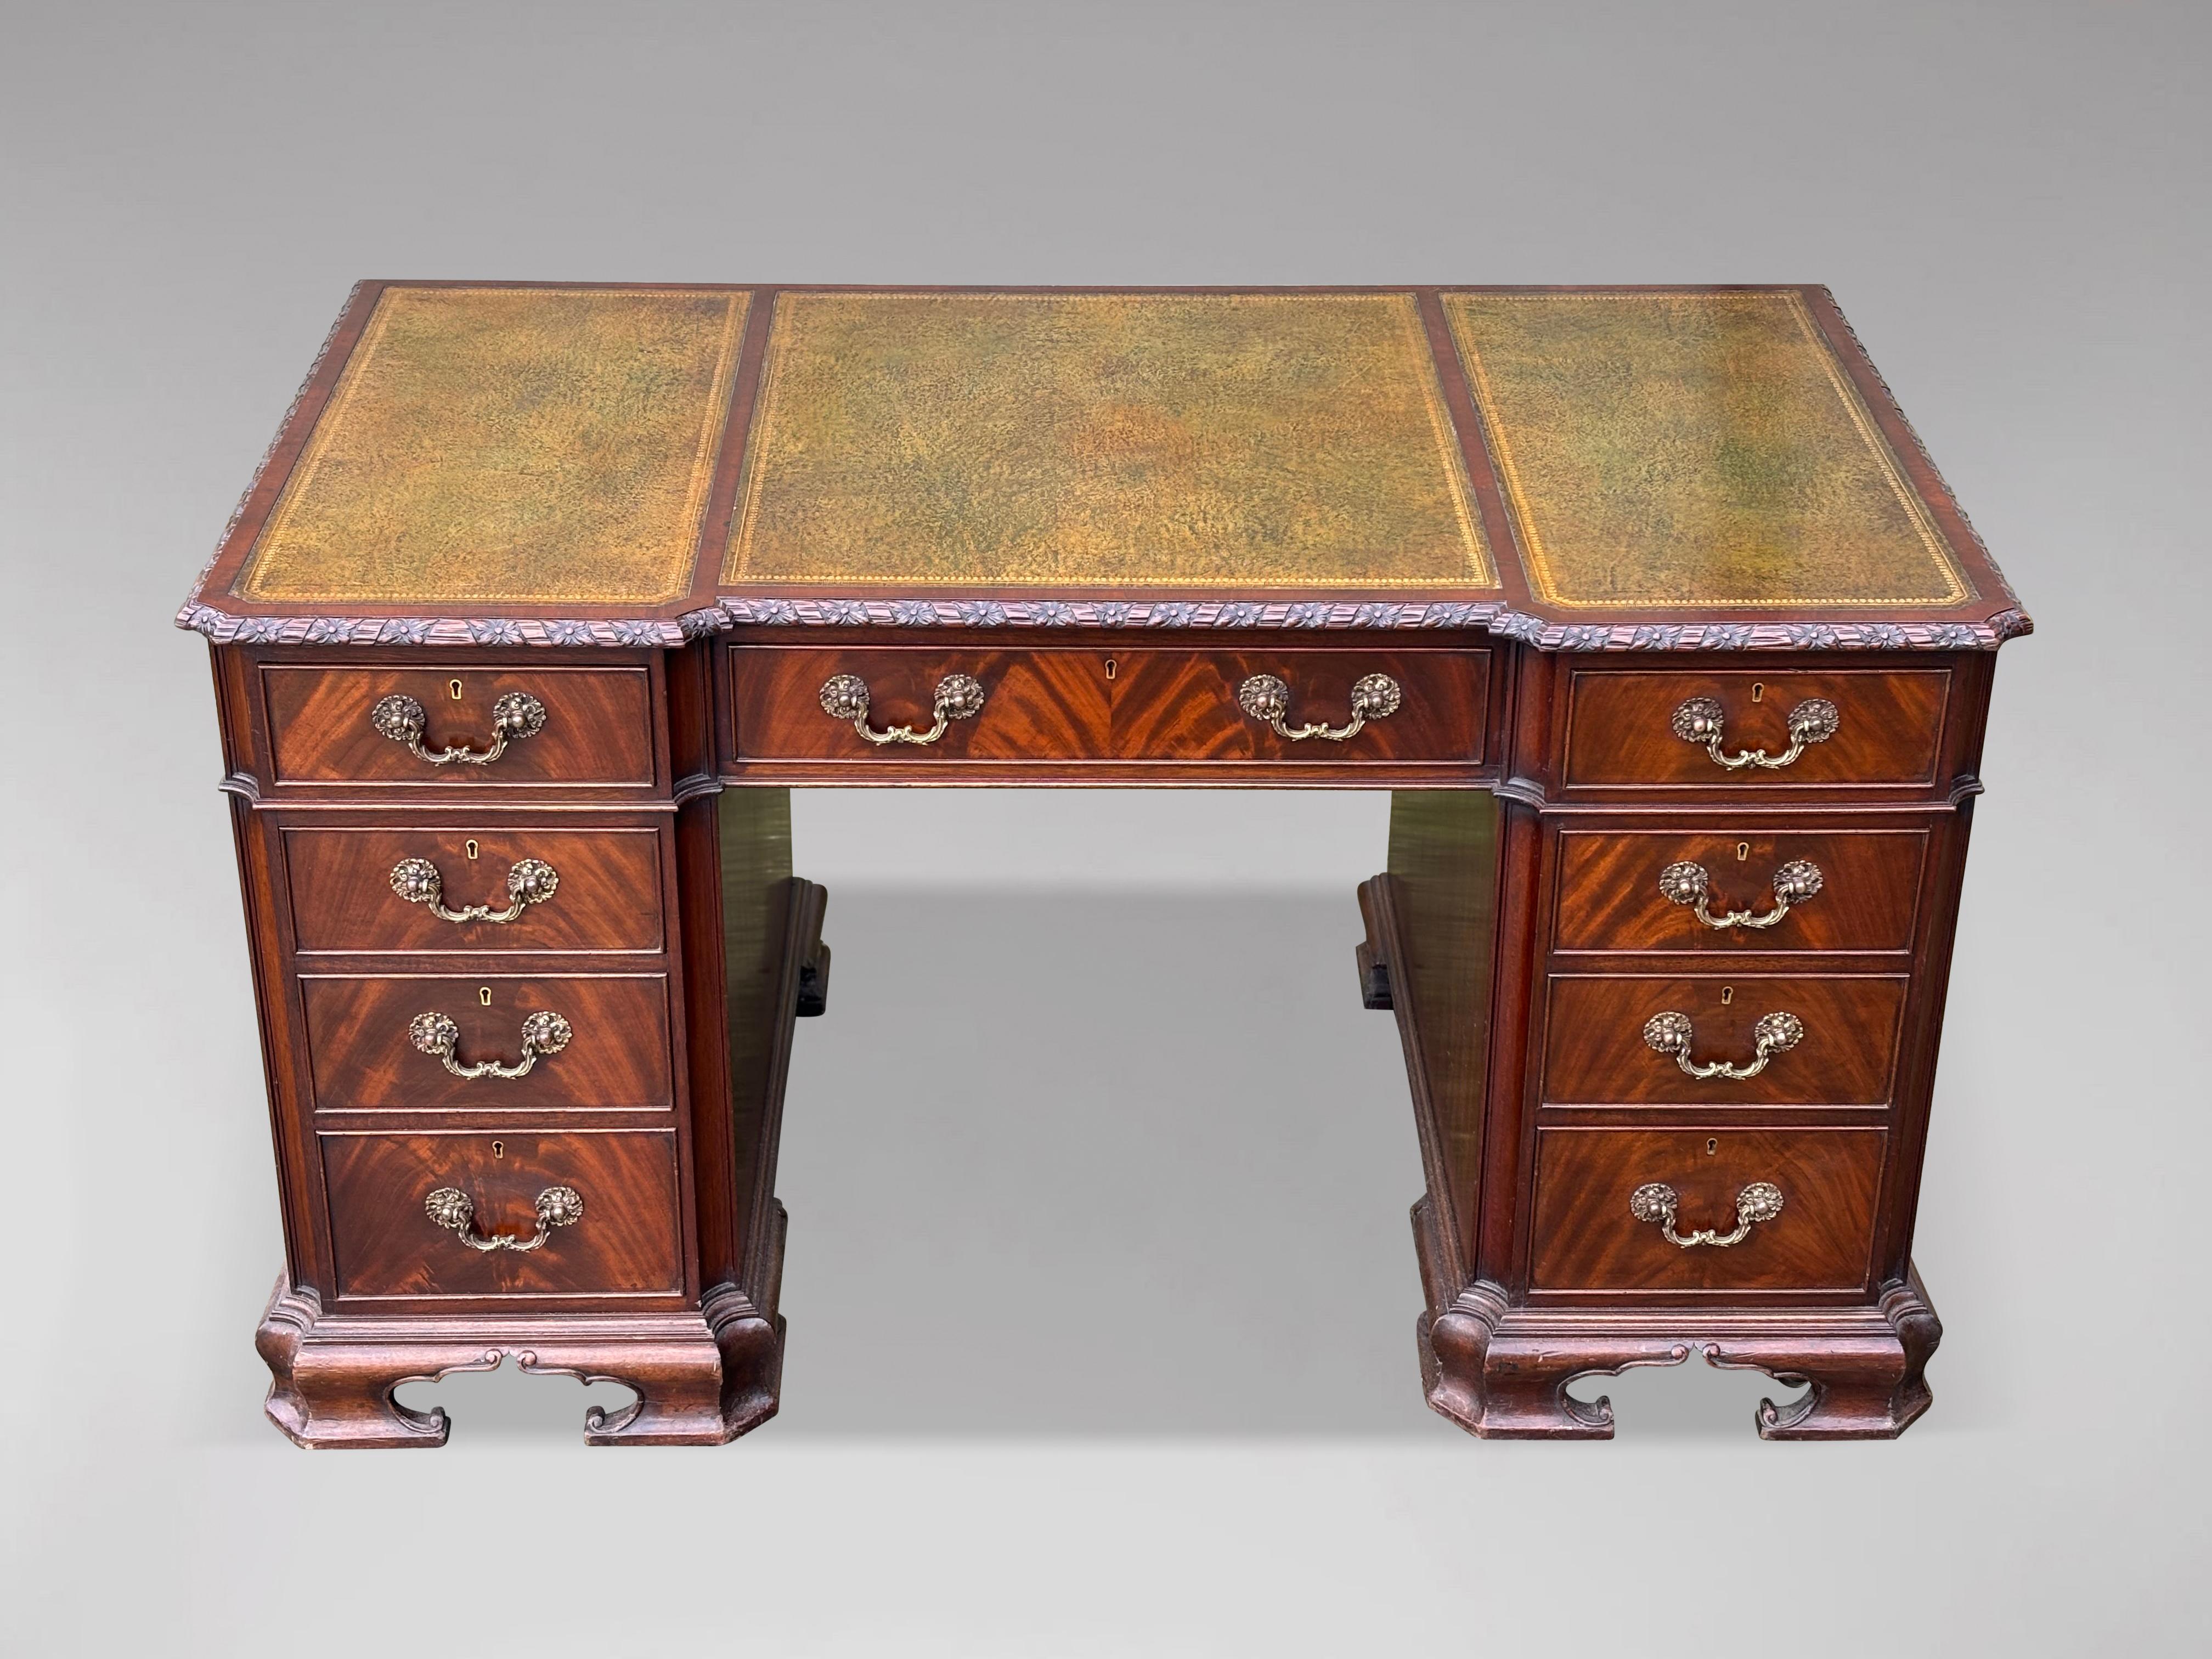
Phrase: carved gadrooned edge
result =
(656, 632)
(1780, 636)
(650, 632)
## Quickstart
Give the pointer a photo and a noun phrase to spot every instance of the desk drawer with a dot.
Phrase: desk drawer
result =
(1598, 1039)
(558, 889)
(589, 1043)
(1626, 730)
(1406, 706)
(1038, 705)
(1594, 1231)
(611, 1224)
(1863, 887)
(590, 726)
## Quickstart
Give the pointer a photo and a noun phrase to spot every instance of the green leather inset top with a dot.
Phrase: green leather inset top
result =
(512, 446)
(1671, 450)
(1121, 440)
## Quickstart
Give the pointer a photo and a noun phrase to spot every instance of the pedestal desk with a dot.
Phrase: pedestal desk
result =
(1645, 604)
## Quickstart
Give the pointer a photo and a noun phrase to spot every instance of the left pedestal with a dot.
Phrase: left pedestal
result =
(527, 976)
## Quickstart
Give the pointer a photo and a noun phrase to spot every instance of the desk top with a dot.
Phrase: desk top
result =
(1579, 468)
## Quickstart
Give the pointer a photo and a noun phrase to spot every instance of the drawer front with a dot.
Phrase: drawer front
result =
(1588, 1237)
(621, 1237)
(1596, 1052)
(597, 728)
(557, 890)
(1186, 706)
(1888, 728)
(364, 1056)
(1037, 705)
(1612, 898)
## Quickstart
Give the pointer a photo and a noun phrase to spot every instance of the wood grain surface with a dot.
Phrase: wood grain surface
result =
(626, 1243)
(1586, 1239)
(1609, 897)
(1181, 705)
(608, 899)
(617, 1059)
(599, 725)
(1890, 723)
(1595, 1053)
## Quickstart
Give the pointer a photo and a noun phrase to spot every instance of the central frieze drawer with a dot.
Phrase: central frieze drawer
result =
(931, 706)
(1805, 1040)
(555, 1042)
(1797, 1206)
(504, 1212)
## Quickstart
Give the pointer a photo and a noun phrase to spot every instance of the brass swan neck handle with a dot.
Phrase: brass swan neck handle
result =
(1701, 720)
(1689, 884)
(1657, 1203)
(1671, 1033)
(529, 881)
(1267, 699)
(455, 1210)
(439, 1035)
(958, 697)
(515, 716)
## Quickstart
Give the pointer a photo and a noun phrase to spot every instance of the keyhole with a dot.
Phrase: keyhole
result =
(1109, 668)
(1742, 851)
(499, 1148)
(1727, 995)
(454, 687)
(1712, 1147)
(470, 848)
(483, 995)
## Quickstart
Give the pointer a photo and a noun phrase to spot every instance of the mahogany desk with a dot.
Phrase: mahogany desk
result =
(1645, 603)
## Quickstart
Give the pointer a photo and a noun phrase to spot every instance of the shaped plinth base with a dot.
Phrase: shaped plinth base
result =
(1502, 1372)
(701, 1377)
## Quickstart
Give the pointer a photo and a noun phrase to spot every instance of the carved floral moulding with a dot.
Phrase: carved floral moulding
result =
(223, 629)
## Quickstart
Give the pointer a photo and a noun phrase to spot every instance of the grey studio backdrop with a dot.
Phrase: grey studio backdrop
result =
(1100, 1287)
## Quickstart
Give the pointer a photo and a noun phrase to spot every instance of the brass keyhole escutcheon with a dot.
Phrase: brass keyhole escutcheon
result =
(1742, 851)
(499, 1148)
(483, 995)
(1109, 668)
(1727, 995)
(471, 850)
(1712, 1147)
(1758, 689)
(454, 689)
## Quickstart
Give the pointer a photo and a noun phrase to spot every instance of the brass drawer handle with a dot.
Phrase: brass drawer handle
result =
(1265, 698)
(436, 1034)
(531, 881)
(1698, 721)
(1670, 1033)
(515, 716)
(455, 1210)
(1688, 884)
(845, 697)
(1656, 1202)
